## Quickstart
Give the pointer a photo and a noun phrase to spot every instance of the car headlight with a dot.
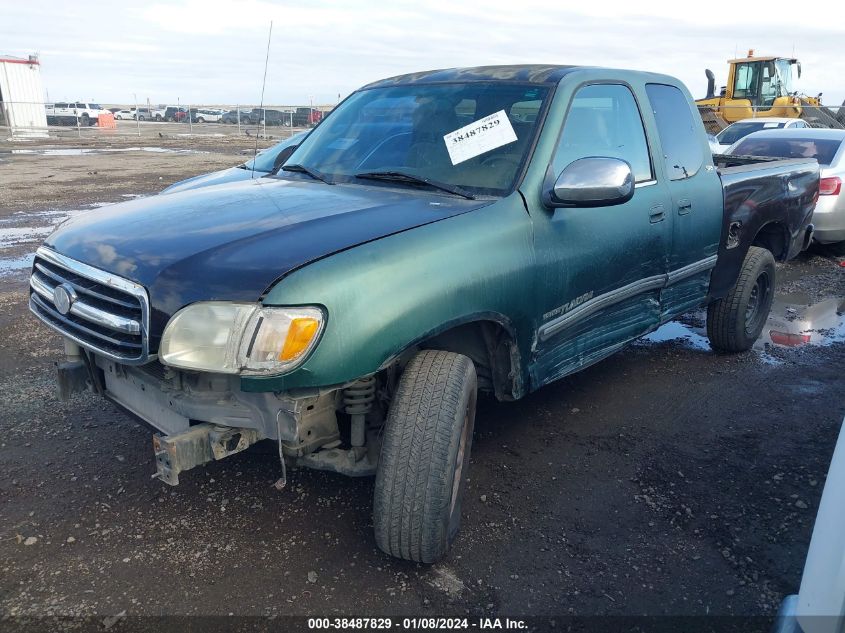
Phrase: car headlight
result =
(234, 338)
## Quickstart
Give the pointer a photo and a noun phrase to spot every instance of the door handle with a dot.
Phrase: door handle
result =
(656, 214)
(684, 206)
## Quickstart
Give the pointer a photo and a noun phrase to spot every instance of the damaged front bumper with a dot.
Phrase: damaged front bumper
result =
(202, 417)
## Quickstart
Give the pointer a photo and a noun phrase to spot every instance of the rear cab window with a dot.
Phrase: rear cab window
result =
(678, 132)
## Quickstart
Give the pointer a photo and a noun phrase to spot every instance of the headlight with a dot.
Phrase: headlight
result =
(233, 338)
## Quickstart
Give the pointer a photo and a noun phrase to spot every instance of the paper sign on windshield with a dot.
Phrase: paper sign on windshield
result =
(481, 136)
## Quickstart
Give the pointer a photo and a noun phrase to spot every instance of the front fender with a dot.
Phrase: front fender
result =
(383, 296)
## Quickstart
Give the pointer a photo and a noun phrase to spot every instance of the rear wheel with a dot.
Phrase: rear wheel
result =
(735, 321)
(158, 118)
(425, 456)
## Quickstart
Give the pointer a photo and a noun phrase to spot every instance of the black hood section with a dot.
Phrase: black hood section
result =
(232, 242)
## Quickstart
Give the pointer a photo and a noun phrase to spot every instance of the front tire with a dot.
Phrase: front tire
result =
(736, 321)
(425, 457)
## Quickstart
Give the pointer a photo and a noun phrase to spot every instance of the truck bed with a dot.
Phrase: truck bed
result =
(768, 202)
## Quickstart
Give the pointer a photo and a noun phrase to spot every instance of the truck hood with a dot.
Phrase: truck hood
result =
(233, 241)
(232, 174)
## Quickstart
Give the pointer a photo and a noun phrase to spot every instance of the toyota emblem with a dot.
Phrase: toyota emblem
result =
(63, 298)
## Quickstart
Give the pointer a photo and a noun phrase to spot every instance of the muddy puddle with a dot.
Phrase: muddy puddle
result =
(12, 265)
(794, 321)
(24, 231)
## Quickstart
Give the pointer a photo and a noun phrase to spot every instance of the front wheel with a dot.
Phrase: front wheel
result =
(736, 321)
(425, 456)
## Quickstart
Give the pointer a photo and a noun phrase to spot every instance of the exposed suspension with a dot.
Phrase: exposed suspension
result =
(358, 401)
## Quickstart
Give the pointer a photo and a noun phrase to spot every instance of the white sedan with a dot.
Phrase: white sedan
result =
(741, 129)
(123, 115)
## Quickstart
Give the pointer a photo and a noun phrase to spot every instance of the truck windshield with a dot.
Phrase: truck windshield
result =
(474, 136)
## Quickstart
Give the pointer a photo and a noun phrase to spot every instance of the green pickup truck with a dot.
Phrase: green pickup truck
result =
(438, 234)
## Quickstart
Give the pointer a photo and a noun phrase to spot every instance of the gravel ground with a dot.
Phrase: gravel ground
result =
(668, 481)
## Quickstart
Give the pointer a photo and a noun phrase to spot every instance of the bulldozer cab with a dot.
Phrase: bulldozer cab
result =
(760, 80)
(757, 87)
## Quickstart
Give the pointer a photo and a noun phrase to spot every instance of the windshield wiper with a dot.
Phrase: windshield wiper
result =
(302, 169)
(400, 176)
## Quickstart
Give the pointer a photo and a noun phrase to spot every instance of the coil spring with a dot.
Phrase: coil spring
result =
(358, 398)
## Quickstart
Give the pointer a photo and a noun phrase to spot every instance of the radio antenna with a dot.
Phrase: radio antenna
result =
(261, 105)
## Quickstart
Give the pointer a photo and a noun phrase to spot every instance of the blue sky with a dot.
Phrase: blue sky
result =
(212, 52)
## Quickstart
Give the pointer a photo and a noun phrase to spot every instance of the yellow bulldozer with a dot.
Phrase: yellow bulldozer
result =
(762, 87)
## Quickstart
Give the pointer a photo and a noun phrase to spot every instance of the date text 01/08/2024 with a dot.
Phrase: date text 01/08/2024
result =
(407, 624)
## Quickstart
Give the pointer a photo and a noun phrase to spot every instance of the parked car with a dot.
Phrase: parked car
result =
(309, 117)
(175, 113)
(736, 131)
(265, 163)
(122, 115)
(826, 146)
(159, 113)
(268, 117)
(73, 113)
(232, 116)
(143, 114)
(351, 306)
(205, 115)
(819, 606)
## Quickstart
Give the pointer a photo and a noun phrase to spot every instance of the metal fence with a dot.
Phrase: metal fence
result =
(20, 120)
(717, 119)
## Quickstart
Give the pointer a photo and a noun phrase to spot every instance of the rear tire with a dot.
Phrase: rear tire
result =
(735, 322)
(425, 457)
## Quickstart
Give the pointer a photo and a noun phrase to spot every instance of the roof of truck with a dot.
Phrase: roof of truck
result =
(527, 73)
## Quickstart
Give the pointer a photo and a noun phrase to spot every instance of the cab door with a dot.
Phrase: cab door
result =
(696, 204)
(600, 269)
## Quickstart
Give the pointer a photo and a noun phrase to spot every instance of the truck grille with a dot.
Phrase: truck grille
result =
(104, 313)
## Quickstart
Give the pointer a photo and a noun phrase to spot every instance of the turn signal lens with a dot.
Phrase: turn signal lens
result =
(300, 334)
(240, 338)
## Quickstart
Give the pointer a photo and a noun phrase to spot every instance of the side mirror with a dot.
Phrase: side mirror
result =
(283, 156)
(592, 182)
